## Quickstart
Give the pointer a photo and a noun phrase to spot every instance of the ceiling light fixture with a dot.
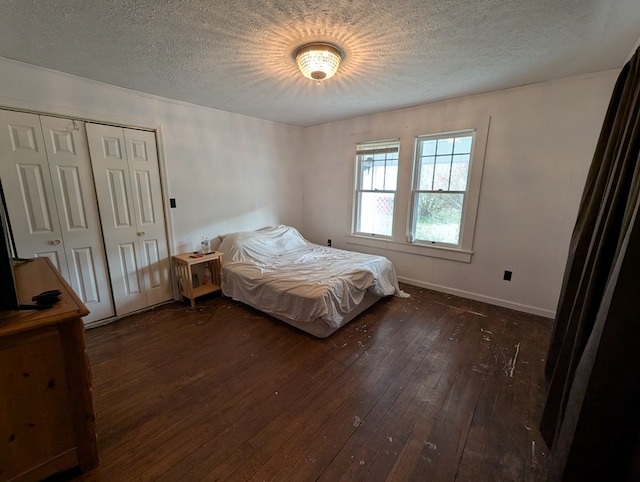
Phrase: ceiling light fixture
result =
(318, 61)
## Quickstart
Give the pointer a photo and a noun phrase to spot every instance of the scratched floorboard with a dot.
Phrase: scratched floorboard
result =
(433, 387)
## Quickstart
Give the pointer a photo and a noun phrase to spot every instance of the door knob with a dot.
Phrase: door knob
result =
(141, 233)
(55, 241)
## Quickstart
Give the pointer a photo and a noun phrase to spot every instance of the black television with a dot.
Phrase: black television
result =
(8, 293)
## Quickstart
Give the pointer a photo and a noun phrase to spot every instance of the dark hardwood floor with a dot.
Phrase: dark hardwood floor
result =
(430, 388)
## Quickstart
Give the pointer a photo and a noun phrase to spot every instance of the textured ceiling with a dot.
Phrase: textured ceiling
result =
(238, 55)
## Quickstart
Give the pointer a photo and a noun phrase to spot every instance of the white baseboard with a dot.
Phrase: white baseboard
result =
(477, 297)
(105, 321)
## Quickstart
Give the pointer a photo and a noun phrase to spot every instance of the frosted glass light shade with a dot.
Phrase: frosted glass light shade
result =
(318, 61)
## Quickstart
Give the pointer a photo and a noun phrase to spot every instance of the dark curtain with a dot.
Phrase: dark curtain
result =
(591, 418)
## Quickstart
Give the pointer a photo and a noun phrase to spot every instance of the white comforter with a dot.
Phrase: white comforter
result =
(279, 272)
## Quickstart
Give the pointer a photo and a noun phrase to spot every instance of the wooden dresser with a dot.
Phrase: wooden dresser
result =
(47, 419)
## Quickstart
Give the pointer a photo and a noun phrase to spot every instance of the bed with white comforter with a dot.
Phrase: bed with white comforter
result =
(315, 288)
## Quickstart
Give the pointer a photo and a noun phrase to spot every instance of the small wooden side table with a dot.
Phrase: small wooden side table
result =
(185, 261)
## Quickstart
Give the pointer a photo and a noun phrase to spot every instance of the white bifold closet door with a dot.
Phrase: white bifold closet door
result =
(48, 186)
(126, 175)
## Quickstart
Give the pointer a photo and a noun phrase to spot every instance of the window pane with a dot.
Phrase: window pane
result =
(426, 174)
(443, 167)
(438, 217)
(445, 146)
(429, 148)
(462, 145)
(385, 173)
(366, 175)
(376, 213)
(391, 176)
(378, 175)
(459, 172)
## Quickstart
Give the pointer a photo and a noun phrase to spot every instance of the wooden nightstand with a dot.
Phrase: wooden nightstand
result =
(185, 261)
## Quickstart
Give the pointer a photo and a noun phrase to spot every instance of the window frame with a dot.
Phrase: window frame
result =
(416, 191)
(368, 148)
(480, 122)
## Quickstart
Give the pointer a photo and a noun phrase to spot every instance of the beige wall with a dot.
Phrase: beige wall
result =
(226, 171)
(539, 149)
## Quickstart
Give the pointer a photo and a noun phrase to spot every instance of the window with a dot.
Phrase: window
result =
(376, 183)
(440, 184)
(425, 203)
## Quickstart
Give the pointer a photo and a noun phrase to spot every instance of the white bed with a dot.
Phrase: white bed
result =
(315, 288)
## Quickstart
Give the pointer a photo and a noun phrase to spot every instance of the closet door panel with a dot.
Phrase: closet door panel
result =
(115, 201)
(54, 256)
(153, 261)
(145, 204)
(73, 208)
(70, 166)
(119, 199)
(145, 175)
(130, 270)
(28, 190)
(83, 270)
(35, 200)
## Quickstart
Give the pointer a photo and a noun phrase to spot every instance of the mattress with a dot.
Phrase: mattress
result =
(277, 271)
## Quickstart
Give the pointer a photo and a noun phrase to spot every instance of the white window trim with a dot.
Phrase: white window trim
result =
(372, 146)
(444, 252)
(464, 252)
(411, 221)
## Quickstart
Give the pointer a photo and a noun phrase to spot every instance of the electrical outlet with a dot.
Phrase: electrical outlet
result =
(507, 275)
(328, 242)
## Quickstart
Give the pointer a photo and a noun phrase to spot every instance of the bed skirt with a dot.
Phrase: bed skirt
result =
(320, 328)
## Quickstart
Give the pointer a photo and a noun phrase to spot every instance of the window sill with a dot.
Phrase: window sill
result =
(451, 254)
